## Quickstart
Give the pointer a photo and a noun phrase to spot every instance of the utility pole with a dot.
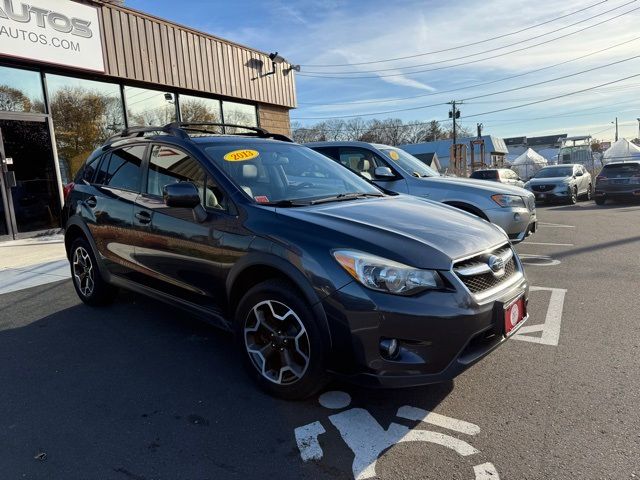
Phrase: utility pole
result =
(616, 129)
(454, 114)
(638, 128)
(479, 125)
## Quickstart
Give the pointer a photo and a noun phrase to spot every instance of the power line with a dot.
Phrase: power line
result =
(477, 96)
(459, 46)
(363, 102)
(472, 61)
(554, 98)
(477, 53)
(521, 120)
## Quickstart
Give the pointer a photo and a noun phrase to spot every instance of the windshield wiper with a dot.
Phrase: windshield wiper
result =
(344, 196)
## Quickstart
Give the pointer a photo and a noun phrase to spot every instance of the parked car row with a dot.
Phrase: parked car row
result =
(330, 260)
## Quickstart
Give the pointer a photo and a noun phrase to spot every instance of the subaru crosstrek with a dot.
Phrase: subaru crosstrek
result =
(316, 270)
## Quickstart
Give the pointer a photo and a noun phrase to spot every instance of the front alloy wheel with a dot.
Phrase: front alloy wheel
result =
(573, 192)
(283, 345)
(277, 342)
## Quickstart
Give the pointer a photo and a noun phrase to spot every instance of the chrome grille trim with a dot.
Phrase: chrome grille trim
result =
(479, 280)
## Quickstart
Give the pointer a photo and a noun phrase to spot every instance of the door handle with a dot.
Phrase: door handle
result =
(143, 217)
(91, 202)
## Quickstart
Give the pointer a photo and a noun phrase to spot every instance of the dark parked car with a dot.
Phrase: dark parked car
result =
(617, 181)
(316, 270)
(561, 183)
(501, 175)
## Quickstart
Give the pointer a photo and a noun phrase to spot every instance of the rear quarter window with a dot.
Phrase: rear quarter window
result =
(484, 175)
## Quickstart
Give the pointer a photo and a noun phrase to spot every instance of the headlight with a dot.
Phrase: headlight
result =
(384, 275)
(508, 200)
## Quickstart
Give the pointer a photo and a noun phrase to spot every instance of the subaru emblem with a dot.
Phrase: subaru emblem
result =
(496, 264)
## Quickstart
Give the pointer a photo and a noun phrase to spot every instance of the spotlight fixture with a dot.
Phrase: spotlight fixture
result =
(168, 97)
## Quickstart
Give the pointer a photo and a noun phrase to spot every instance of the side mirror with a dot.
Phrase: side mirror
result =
(181, 195)
(383, 172)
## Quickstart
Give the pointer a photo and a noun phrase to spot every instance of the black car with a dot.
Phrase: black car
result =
(316, 270)
(618, 181)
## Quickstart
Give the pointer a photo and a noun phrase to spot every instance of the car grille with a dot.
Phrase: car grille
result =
(542, 188)
(483, 282)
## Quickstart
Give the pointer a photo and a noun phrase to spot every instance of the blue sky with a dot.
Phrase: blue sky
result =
(320, 32)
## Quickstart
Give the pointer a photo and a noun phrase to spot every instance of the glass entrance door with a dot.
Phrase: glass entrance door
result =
(29, 185)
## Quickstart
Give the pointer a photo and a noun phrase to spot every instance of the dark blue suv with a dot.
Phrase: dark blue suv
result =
(317, 271)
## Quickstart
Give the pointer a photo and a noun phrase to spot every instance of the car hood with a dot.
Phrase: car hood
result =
(542, 181)
(413, 231)
(489, 186)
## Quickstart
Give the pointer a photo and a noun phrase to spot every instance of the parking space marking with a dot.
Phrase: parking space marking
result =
(551, 327)
(549, 244)
(538, 260)
(555, 225)
(367, 439)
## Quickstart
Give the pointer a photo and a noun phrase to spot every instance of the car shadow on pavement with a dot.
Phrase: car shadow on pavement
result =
(634, 204)
(139, 390)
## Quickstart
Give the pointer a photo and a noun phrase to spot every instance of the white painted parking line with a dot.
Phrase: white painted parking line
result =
(551, 327)
(307, 440)
(538, 260)
(555, 225)
(550, 244)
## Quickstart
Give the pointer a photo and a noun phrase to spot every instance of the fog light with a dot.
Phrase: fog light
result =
(516, 217)
(389, 348)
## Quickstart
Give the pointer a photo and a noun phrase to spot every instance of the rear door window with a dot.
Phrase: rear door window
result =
(484, 175)
(121, 168)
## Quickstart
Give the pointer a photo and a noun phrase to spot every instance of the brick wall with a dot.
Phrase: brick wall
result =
(274, 119)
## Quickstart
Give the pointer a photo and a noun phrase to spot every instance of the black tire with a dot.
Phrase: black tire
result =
(573, 199)
(86, 278)
(589, 192)
(308, 375)
(600, 200)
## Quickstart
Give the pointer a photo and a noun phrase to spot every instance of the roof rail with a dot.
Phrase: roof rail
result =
(254, 131)
(134, 132)
(181, 128)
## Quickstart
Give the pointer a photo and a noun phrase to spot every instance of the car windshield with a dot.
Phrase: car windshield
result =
(408, 162)
(554, 172)
(286, 174)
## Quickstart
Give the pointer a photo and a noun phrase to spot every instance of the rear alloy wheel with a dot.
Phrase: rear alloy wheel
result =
(573, 199)
(85, 273)
(281, 343)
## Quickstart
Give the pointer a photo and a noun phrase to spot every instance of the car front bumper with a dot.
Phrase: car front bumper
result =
(518, 223)
(440, 334)
(558, 194)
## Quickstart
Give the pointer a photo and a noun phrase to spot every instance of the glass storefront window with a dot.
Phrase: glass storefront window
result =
(20, 91)
(239, 114)
(196, 109)
(85, 113)
(149, 107)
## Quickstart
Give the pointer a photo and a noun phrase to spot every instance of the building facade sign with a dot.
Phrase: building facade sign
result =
(60, 32)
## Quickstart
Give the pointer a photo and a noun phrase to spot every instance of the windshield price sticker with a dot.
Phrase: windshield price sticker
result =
(394, 155)
(241, 155)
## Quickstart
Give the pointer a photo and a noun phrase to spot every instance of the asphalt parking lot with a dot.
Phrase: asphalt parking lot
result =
(142, 391)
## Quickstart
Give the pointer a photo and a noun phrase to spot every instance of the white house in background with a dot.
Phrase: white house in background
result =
(528, 163)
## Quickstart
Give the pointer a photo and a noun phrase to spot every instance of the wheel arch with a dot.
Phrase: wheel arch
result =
(256, 268)
(467, 207)
(78, 229)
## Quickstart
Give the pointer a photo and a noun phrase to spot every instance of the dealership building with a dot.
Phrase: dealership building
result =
(73, 73)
